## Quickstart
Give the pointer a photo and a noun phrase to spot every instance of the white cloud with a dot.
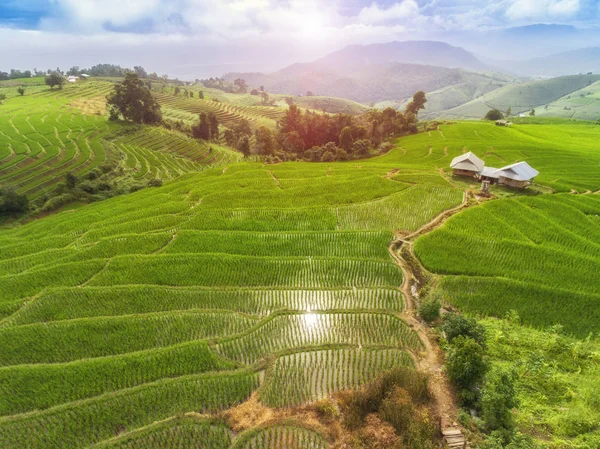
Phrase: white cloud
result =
(375, 14)
(543, 9)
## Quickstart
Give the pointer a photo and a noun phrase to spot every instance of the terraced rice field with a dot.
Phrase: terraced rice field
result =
(130, 323)
(566, 155)
(539, 256)
(227, 113)
(188, 298)
(48, 133)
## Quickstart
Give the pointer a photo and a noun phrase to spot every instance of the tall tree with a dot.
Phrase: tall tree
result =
(346, 138)
(244, 146)
(265, 143)
(417, 103)
(134, 101)
(214, 126)
(55, 79)
(241, 85)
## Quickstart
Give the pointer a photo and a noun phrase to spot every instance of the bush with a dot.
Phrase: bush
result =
(429, 309)
(156, 182)
(327, 410)
(57, 201)
(494, 114)
(459, 325)
(498, 399)
(465, 363)
(11, 202)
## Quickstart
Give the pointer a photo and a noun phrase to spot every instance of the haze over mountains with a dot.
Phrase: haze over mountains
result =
(387, 74)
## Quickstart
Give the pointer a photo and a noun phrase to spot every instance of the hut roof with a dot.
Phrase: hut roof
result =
(489, 172)
(521, 171)
(467, 161)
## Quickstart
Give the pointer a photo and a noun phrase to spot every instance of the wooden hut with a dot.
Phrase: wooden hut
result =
(518, 175)
(467, 165)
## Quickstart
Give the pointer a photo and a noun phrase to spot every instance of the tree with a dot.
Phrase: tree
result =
(2, 97)
(494, 114)
(229, 137)
(465, 363)
(214, 125)
(264, 96)
(417, 103)
(244, 146)
(140, 71)
(254, 92)
(202, 129)
(11, 202)
(309, 93)
(21, 91)
(73, 71)
(55, 79)
(346, 139)
(458, 325)
(133, 101)
(201, 95)
(177, 91)
(265, 144)
(498, 399)
(532, 113)
(375, 133)
(71, 180)
(289, 101)
(508, 112)
(241, 85)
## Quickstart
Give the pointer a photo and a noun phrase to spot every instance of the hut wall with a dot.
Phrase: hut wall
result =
(469, 173)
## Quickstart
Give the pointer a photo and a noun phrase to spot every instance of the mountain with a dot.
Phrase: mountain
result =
(409, 52)
(566, 96)
(373, 73)
(583, 60)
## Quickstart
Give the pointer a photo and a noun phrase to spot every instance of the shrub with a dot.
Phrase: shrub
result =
(429, 309)
(327, 410)
(156, 182)
(11, 202)
(498, 399)
(465, 363)
(494, 114)
(459, 325)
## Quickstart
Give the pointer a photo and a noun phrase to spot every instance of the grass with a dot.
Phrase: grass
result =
(539, 256)
(558, 379)
(47, 133)
(121, 316)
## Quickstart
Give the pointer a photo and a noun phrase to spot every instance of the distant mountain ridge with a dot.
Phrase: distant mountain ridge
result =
(409, 52)
(572, 62)
(373, 73)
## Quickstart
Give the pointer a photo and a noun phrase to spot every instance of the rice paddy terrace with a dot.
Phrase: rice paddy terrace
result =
(133, 322)
(48, 133)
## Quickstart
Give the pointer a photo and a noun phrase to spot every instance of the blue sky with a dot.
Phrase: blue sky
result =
(285, 30)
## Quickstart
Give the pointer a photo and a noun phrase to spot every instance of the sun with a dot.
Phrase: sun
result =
(312, 26)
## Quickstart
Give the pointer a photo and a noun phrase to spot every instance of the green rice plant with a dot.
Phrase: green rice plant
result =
(72, 303)
(303, 377)
(288, 331)
(539, 258)
(64, 341)
(180, 432)
(83, 423)
(36, 387)
(280, 436)
(221, 270)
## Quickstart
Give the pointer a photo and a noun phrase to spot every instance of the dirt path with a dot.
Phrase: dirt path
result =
(431, 360)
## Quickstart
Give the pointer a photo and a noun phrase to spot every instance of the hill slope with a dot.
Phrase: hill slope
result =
(410, 52)
(520, 97)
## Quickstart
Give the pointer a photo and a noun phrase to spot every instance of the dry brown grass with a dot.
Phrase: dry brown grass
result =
(90, 106)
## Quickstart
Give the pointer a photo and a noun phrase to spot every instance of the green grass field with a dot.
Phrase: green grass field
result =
(119, 317)
(46, 134)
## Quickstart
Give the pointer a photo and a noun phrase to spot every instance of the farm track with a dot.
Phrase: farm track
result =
(431, 360)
